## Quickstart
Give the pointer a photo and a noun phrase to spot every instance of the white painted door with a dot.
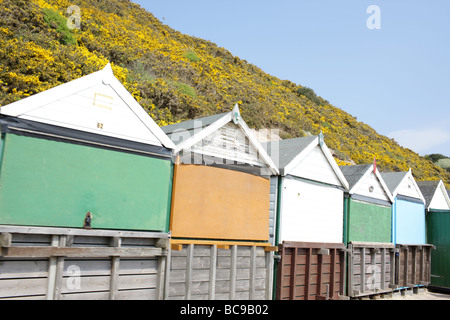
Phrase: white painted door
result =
(311, 212)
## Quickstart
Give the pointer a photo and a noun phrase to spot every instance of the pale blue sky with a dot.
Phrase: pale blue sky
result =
(396, 78)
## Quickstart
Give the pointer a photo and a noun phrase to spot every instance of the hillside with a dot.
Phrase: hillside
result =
(176, 77)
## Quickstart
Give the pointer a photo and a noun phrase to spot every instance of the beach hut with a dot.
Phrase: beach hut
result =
(368, 205)
(309, 219)
(438, 231)
(367, 231)
(220, 210)
(408, 208)
(413, 254)
(85, 173)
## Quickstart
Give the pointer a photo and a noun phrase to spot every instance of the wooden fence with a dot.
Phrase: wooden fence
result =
(220, 271)
(413, 265)
(63, 263)
(370, 268)
(310, 271)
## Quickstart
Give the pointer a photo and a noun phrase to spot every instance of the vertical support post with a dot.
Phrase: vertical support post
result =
(293, 273)
(252, 273)
(319, 274)
(333, 272)
(351, 272)
(363, 270)
(189, 258)
(212, 272)
(308, 272)
(51, 279)
(383, 268)
(115, 266)
(233, 272)
(164, 272)
(59, 270)
(269, 275)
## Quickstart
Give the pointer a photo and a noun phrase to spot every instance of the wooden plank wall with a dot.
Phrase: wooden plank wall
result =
(214, 272)
(413, 265)
(67, 267)
(310, 271)
(370, 268)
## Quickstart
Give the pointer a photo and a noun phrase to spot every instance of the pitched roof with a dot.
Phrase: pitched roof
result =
(354, 173)
(393, 179)
(291, 152)
(428, 188)
(188, 133)
(98, 104)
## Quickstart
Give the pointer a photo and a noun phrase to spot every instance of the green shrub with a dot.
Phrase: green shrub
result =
(59, 23)
(192, 56)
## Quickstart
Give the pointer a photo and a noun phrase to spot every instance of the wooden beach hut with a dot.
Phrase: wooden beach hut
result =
(408, 208)
(85, 182)
(309, 192)
(413, 254)
(438, 231)
(367, 231)
(368, 205)
(220, 210)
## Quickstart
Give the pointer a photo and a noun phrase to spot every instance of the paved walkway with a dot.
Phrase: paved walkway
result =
(424, 295)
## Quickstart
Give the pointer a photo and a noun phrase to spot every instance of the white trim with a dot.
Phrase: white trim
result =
(440, 187)
(228, 117)
(407, 175)
(106, 76)
(298, 158)
(380, 179)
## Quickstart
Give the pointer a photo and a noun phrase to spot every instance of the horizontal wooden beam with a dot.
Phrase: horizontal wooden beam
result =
(80, 252)
(82, 232)
(313, 245)
(221, 244)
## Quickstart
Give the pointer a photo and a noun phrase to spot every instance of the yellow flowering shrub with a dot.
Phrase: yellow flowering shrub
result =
(176, 77)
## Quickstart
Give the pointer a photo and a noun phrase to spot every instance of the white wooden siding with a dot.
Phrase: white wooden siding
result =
(311, 212)
(408, 188)
(98, 109)
(371, 181)
(315, 166)
(439, 200)
(229, 142)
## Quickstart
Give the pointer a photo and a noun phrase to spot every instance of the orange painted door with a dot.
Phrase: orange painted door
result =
(216, 203)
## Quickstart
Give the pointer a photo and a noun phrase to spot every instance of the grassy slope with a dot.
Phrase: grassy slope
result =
(176, 77)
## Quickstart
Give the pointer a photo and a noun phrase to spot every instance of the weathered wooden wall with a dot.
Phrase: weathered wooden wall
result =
(220, 272)
(370, 268)
(69, 264)
(413, 265)
(310, 271)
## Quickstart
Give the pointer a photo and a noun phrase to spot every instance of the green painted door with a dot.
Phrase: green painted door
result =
(50, 183)
(438, 234)
(367, 222)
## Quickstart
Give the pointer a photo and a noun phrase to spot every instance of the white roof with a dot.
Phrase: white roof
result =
(97, 103)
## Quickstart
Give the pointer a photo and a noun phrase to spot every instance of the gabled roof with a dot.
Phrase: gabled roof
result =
(430, 189)
(356, 174)
(292, 151)
(187, 134)
(395, 180)
(97, 103)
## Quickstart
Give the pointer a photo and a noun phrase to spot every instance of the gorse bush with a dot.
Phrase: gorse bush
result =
(176, 77)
